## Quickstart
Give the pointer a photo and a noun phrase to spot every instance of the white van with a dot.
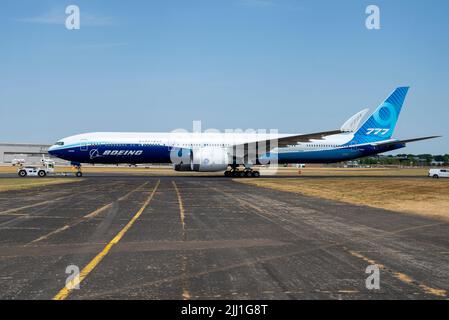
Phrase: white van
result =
(439, 173)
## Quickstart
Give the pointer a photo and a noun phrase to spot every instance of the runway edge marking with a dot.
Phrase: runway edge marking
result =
(64, 292)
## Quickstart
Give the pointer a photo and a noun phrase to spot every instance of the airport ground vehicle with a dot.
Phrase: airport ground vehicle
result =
(17, 162)
(439, 173)
(47, 167)
(35, 171)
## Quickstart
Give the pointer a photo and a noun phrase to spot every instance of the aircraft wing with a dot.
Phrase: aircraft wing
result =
(295, 139)
(291, 140)
(249, 150)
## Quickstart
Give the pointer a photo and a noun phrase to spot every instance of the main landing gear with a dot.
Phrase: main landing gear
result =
(246, 173)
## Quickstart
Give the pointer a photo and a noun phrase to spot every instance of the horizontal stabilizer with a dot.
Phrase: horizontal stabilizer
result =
(387, 142)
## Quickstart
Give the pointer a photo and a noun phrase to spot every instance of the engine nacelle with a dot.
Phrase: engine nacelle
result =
(209, 159)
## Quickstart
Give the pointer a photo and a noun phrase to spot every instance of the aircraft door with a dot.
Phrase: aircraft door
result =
(84, 146)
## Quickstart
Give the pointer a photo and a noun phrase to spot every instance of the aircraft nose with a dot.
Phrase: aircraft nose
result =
(52, 150)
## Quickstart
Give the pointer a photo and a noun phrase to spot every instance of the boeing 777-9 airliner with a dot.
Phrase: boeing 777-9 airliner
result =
(228, 151)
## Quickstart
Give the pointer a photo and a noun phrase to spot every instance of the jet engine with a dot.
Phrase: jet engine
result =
(207, 159)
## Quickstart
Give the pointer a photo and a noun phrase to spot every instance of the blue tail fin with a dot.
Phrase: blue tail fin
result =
(380, 125)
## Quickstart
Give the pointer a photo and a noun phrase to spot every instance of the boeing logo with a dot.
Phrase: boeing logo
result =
(94, 153)
(122, 152)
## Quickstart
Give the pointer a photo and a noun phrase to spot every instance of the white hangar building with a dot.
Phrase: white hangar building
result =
(30, 152)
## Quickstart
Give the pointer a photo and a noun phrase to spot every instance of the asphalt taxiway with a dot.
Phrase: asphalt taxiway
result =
(139, 237)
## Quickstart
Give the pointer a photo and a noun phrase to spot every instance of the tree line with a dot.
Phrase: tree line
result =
(407, 160)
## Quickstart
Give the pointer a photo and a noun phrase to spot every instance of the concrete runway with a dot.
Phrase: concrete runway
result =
(207, 238)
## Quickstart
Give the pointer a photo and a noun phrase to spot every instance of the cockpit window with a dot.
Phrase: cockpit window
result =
(59, 143)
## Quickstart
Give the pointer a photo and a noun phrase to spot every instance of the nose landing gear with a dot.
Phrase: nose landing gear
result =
(78, 170)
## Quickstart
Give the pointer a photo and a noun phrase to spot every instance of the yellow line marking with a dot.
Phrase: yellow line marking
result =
(433, 291)
(185, 292)
(370, 261)
(181, 206)
(402, 277)
(84, 218)
(64, 292)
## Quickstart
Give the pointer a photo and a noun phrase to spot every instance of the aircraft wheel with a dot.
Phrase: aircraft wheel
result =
(255, 174)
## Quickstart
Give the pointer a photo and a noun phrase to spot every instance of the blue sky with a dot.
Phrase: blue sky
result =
(296, 66)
